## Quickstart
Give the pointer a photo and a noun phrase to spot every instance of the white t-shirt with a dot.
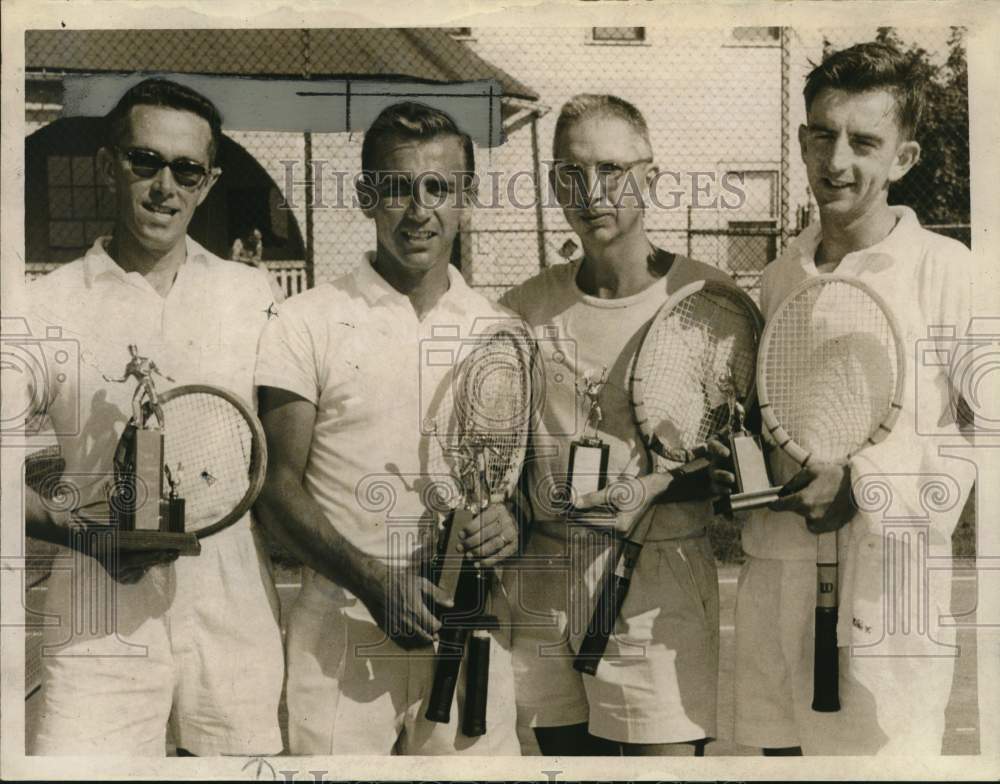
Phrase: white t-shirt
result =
(378, 377)
(577, 335)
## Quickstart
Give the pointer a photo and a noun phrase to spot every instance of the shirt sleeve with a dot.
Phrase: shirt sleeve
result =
(289, 353)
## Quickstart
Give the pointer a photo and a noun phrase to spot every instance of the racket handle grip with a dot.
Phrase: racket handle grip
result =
(602, 623)
(451, 647)
(826, 669)
(477, 676)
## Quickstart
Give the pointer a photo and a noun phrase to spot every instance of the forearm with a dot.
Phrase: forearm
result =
(299, 523)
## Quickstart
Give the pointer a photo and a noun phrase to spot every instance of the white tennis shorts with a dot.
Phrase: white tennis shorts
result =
(351, 690)
(194, 646)
(890, 704)
(657, 682)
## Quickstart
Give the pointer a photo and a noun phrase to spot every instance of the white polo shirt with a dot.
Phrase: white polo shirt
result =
(377, 375)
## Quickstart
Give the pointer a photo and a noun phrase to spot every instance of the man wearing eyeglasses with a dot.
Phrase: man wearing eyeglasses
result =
(146, 642)
(352, 379)
(654, 692)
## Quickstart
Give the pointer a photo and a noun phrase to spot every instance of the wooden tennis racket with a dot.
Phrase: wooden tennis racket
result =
(830, 380)
(697, 356)
(481, 434)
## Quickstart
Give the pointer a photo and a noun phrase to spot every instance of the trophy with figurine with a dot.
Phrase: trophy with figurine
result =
(754, 487)
(146, 505)
(588, 455)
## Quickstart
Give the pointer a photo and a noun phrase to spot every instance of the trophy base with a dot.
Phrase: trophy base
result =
(143, 541)
(744, 502)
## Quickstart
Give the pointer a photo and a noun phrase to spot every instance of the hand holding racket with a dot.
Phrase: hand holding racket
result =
(830, 380)
(697, 356)
(482, 437)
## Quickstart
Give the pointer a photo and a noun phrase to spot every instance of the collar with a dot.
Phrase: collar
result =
(896, 244)
(97, 262)
(377, 291)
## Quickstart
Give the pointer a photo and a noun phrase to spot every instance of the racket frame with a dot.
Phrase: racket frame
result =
(826, 668)
(778, 434)
(258, 450)
(637, 384)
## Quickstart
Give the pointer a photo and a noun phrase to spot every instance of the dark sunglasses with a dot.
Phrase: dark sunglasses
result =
(146, 164)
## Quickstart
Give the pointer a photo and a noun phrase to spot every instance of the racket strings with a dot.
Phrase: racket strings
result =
(208, 447)
(831, 371)
(704, 344)
(481, 429)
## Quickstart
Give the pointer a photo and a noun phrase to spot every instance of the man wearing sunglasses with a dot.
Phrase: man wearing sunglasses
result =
(192, 643)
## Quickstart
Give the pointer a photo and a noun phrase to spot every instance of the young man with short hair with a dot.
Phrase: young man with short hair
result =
(348, 403)
(655, 690)
(194, 643)
(863, 107)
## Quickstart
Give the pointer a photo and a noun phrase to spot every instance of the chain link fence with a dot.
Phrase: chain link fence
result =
(723, 106)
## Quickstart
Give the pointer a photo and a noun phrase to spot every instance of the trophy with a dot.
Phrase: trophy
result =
(754, 488)
(147, 516)
(588, 456)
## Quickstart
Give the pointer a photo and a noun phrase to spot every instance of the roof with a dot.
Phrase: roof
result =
(424, 54)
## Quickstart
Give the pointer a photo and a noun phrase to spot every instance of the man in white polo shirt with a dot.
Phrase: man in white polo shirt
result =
(194, 644)
(346, 398)
(895, 503)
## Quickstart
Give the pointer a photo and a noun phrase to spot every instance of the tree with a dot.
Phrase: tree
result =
(938, 186)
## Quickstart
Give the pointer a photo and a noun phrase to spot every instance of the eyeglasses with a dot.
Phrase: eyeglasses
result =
(146, 164)
(610, 174)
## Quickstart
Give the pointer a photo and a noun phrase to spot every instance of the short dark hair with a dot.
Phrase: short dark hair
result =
(872, 66)
(412, 120)
(163, 92)
(593, 105)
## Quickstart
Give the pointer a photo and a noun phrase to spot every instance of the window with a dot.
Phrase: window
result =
(80, 208)
(756, 36)
(619, 35)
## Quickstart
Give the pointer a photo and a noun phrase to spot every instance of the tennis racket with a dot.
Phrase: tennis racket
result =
(697, 357)
(214, 458)
(481, 434)
(830, 382)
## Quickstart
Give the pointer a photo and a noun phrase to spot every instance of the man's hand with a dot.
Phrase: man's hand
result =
(491, 536)
(401, 607)
(628, 497)
(721, 477)
(821, 493)
(127, 567)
